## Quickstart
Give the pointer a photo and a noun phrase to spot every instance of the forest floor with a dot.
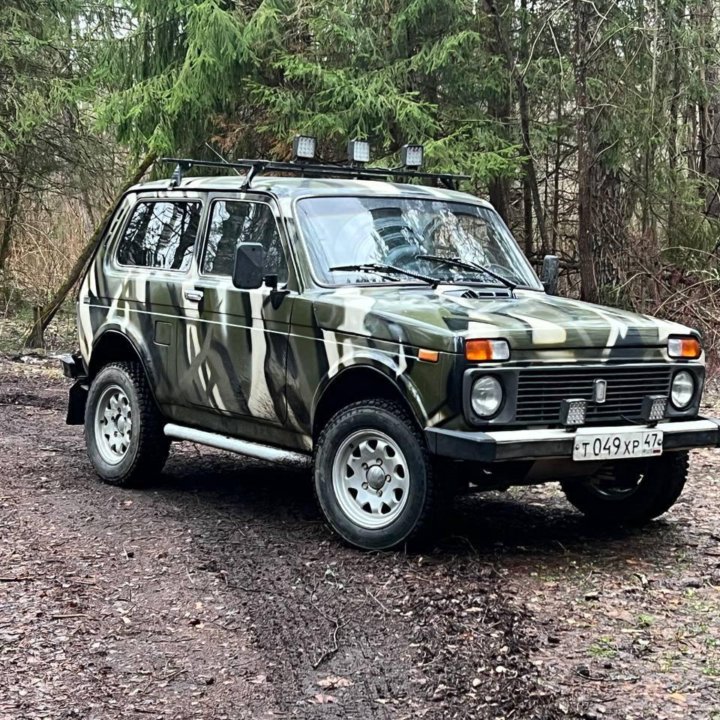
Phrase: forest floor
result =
(219, 593)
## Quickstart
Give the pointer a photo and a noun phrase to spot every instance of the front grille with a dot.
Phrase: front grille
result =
(540, 392)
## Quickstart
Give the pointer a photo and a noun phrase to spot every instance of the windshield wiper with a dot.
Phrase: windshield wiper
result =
(382, 269)
(456, 262)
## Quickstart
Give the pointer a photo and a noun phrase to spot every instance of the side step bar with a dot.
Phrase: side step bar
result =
(244, 447)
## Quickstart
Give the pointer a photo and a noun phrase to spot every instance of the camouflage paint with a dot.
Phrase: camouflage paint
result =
(255, 363)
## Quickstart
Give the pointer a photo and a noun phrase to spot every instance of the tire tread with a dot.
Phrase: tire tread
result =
(424, 524)
(153, 447)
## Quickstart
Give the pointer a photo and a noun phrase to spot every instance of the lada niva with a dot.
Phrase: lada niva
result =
(393, 333)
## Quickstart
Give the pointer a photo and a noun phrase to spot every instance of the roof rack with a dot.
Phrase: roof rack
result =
(307, 169)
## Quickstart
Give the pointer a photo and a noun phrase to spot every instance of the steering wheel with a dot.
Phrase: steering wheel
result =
(402, 256)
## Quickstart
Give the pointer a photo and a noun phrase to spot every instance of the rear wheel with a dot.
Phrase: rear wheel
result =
(123, 427)
(373, 477)
(630, 492)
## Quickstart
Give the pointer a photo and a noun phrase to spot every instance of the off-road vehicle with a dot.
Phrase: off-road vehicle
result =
(383, 324)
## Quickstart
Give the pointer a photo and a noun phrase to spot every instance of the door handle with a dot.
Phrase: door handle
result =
(194, 295)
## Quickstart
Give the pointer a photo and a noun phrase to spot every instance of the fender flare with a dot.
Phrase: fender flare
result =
(113, 329)
(381, 364)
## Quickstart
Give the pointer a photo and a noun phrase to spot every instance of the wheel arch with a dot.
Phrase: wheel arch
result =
(113, 345)
(360, 382)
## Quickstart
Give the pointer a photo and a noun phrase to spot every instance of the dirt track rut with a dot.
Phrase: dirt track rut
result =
(218, 592)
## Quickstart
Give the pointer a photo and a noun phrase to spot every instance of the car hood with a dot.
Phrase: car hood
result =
(440, 319)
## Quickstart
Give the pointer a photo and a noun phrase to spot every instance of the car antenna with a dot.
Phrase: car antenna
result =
(224, 159)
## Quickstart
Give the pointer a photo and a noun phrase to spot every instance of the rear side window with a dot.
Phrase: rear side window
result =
(160, 235)
(237, 221)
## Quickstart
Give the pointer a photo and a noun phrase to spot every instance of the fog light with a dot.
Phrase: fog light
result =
(358, 151)
(304, 147)
(682, 390)
(411, 156)
(572, 412)
(654, 408)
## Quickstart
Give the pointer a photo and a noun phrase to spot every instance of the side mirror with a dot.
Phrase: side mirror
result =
(550, 273)
(249, 269)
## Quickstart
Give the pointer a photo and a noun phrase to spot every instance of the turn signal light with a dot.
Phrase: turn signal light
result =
(486, 350)
(687, 348)
(428, 355)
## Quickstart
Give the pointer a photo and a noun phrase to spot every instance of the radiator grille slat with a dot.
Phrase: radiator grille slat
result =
(540, 392)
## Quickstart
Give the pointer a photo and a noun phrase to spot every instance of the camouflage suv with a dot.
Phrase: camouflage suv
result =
(392, 333)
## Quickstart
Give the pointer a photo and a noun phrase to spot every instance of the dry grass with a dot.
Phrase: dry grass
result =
(49, 240)
(52, 235)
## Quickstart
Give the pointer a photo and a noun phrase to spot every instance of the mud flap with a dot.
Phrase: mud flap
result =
(77, 400)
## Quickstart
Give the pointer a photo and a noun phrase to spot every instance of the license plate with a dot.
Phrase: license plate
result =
(592, 445)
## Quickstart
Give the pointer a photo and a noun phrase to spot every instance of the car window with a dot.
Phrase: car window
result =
(160, 235)
(397, 231)
(233, 222)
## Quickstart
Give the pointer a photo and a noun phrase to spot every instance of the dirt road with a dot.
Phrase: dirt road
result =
(218, 593)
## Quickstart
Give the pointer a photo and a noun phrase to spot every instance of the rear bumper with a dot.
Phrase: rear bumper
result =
(503, 445)
(72, 366)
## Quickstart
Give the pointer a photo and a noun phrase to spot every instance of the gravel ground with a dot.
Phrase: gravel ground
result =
(218, 592)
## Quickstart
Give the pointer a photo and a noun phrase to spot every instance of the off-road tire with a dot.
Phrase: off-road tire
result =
(418, 515)
(148, 447)
(661, 480)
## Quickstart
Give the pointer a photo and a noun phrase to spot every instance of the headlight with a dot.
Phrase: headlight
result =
(486, 396)
(683, 389)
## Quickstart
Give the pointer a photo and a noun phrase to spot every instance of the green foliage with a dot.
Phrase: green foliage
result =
(42, 66)
(391, 72)
(492, 89)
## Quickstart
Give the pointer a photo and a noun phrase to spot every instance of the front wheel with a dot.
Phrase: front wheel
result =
(632, 492)
(123, 427)
(373, 478)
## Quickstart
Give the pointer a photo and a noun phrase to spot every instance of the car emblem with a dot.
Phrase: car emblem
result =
(600, 391)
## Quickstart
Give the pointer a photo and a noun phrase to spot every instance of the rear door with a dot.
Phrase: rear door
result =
(236, 340)
(140, 289)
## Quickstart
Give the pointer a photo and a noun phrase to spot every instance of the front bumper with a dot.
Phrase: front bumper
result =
(504, 445)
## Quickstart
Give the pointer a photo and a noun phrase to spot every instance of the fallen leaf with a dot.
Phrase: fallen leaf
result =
(333, 681)
(322, 699)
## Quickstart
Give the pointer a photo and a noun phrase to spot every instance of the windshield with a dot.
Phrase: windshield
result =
(383, 232)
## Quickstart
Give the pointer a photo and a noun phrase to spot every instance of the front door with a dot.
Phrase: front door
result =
(235, 344)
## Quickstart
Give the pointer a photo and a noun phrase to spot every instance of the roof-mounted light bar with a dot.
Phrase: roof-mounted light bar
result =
(411, 156)
(358, 152)
(304, 147)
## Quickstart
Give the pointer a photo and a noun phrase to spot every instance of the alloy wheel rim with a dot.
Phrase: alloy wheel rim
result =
(371, 479)
(113, 424)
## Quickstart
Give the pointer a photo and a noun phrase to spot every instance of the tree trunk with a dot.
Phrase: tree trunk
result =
(525, 131)
(588, 280)
(527, 217)
(9, 224)
(556, 175)
(44, 316)
(500, 110)
(529, 164)
(709, 111)
(674, 28)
